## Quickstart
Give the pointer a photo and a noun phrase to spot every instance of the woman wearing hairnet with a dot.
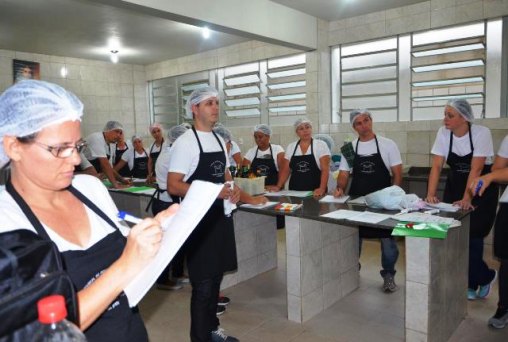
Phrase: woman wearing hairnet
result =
(136, 159)
(265, 159)
(157, 146)
(468, 150)
(40, 125)
(309, 162)
(234, 152)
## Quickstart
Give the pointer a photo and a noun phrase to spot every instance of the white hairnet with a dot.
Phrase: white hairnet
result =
(326, 138)
(29, 106)
(265, 129)
(198, 96)
(112, 125)
(175, 131)
(221, 130)
(136, 137)
(463, 107)
(356, 113)
(301, 122)
(154, 126)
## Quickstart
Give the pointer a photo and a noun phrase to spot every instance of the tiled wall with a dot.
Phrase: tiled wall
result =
(108, 91)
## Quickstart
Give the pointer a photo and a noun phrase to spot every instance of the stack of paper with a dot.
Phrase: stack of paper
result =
(357, 216)
(332, 199)
(443, 206)
(259, 206)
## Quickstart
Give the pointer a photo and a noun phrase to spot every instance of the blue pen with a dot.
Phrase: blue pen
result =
(478, 187)
(128, 217)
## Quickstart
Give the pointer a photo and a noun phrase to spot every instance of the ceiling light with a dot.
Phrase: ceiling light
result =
(205, 32)
(63, 72)
(114, 56)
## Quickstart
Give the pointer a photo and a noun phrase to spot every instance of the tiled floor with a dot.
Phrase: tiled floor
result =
(258, 310)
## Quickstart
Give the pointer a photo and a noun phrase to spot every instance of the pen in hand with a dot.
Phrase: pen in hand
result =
(478, 187)
(128, 217)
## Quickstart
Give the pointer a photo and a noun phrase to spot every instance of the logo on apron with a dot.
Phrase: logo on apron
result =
(303, 167)
(263, 170)
(367, 167)
(217, 168)
(463, 167)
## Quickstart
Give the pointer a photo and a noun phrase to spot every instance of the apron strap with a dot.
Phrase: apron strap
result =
(91, 205)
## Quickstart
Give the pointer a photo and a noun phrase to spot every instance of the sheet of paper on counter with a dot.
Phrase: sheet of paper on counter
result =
(357, 216)
(177, 229)
(443, 206)
(259, 206)
(332, 199)
(426, 218)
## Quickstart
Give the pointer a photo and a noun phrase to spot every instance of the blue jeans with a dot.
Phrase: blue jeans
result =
(479, 273)
(389, 255)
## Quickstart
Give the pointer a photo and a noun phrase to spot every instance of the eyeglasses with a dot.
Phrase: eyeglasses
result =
(63, 151)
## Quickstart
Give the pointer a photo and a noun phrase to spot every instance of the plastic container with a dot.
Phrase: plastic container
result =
(252, 186)
(54, 327)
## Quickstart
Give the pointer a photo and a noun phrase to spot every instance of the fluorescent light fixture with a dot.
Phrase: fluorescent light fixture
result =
(447, 97)
(287, 97)
(286, 73)
(249, 101)
(448, 82)
(191, 87)
(287, 109)
(243, 112)
(287, 85)
(444, 66)
(242, 91)
(205, 32)
(453, 49)
(63, 72)
(241, 80)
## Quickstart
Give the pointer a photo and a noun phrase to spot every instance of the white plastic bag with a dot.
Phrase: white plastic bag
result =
(393, 198)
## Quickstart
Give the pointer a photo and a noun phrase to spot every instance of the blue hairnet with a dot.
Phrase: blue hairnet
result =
(175, 131)
(463, 107)
(326, 138)
(301, 122)
(223, 132)
(356, 113)
(31, 105)
(198, 96)
(265, 129)
(112, 125)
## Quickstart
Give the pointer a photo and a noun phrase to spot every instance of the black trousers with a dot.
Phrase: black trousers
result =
(176, 265)
(503, 284)
(205, 296)
(479, 272)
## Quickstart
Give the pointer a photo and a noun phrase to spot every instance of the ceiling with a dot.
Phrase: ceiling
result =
(81, 28)
(339, 9)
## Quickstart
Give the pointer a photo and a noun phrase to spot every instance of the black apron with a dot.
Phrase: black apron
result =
(140, 168)
(119, 322)
(265, 167)
(305, 173)
(501, 232)
(482, 218)
(124, 171)
(370, 174)
(155, 155)
(211, 247)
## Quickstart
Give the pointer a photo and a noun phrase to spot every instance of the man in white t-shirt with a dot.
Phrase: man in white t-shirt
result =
(376, 165)
(100, 150)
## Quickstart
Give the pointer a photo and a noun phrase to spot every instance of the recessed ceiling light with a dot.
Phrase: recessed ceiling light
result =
(114, 56)
(205, 32)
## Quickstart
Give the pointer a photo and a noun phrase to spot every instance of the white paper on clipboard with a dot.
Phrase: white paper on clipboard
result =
(197, 201)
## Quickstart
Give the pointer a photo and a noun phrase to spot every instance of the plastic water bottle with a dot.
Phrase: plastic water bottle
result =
(54, 326)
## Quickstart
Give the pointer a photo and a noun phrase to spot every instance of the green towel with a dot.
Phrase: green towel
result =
(349, 153)
(425, 230)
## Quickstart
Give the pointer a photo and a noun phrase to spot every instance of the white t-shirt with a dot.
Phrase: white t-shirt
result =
(388, 148)
(482, 143)
(14, 218)
(234, 150)
(319, 146)
(503, 149)
(84, 163)
(161, 171)
(129, 155)
(276, 149)
(184, 156)
(97, 147)
(154, 148)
